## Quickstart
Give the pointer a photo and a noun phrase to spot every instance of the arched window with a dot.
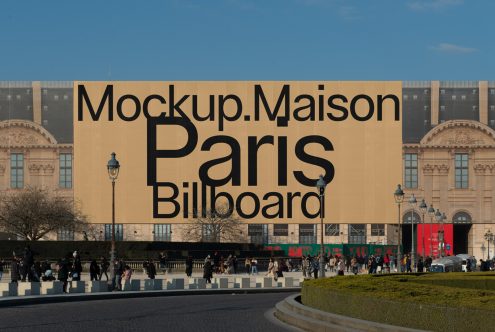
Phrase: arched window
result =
(462, 218)
(406, 219)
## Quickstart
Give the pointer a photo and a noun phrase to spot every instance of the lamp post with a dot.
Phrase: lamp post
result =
(113, 167)
(488, 238)
(320, 185)
(412, 202)
(438, 218)
(431, 213)
(399, 197)
(423, 208)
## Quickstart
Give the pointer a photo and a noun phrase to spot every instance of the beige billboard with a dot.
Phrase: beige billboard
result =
(257, 146)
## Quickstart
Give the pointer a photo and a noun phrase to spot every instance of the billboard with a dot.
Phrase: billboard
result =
(258, 147)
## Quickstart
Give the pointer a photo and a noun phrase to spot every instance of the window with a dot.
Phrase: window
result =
(377, 230)
(280, 230)
(442, 108)
(454, 97)
(45, 108)
(357, 233)
(55, 97)
(16, 170)
(461, 170)
(162, 232)
(307, 233)
(18, 97)
(462, 218)
(119, 232)
(411, 170)
(463, 97)
(66, 97)
(65, 176)
(442, 91)
(475, 107)
(405, 97)
(332, 229)
(492, 107)
(492, 91)
(475, 91)
(425, 107)
(415, 97)
(65, 234)
(425, 91)
(209, 233)
(258, 233)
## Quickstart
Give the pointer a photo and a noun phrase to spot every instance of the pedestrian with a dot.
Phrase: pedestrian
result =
(340, 267)
(151, 271)
(118, 268)
(304, 266)
(247, 265)
(15, 275)
(163, 260)
(254, 266)
(207, 270)
(269, 272)
(126, 276)
(28, 261)
(420, 265)
(355, 265)
(2, 263)
(315, 266)
(94, 270)
(189, 266)
(63, 273)
(279, 269)
(234, 264)
(103, 267)
(76, 267)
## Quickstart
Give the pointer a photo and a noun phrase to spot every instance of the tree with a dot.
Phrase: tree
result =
(219, 225)
(34, 212)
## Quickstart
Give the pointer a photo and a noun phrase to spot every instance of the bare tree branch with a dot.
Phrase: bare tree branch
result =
(34, 212)
(219, 225)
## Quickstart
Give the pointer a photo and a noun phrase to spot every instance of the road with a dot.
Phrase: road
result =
(197, 313)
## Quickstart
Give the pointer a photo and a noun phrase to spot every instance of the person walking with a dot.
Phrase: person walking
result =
(126, 277)
(76, 267)
(247, 265)
(63, 273)
(94, 270)
(151, 269)
(189, 266)
(27, 264)
(103, 268)
(119, 270)
(208, 270)
(15, 274)
(304, 266)
(254, 266)
(269, 272)
(2, 263)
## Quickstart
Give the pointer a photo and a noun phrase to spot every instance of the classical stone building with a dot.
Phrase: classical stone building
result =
(448, 160)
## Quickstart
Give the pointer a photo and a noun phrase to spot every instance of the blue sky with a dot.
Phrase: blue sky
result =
(247, 40)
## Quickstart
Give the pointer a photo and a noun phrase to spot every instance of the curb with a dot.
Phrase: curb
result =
(292, 312)
(41, 299)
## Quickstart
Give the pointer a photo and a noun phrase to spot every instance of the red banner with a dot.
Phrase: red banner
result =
(431, 236)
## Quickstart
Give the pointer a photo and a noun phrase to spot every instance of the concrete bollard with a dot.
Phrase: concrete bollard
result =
(178, 283)
(96, 286)
(153, 284)
(8, 289)
(267, 282)
(289, 282)
(52, 287)
(223, 282)
(200, 283)
(245, 282)
(28, 288)
(135, 285)
(126, 286)
(77, 287)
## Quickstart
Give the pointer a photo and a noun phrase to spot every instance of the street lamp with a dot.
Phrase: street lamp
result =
(399, 197)
(320, 185)
(444, 218)
(489, 237)
(438, 218)
(423, 208)
(412, 202)
(431, 213)
(113, 167)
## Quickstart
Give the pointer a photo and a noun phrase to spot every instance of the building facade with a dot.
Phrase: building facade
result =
(448, 140)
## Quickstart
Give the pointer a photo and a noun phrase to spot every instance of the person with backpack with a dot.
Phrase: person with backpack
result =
(208, 270)
(151, 269)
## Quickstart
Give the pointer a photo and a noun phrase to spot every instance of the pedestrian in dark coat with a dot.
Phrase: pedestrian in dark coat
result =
(28, 261)
(151, 269)
(14, 270)
(208, 270)
(189, 266)
(103, 267)
(94, 270)
(76, 267)
(63, 272)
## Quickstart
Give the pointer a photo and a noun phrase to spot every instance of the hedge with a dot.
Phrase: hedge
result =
(415, 301)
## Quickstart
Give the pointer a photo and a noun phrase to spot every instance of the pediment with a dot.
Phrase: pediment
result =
(19, 133)
(460, 133)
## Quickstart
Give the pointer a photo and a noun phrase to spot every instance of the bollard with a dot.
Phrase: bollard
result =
(28, 288)
(96, 286)
(245, 282)
(8, 289)
(135, 285)
(77, 287)
(223, 282)
(126, 286)
(267, 282)
(52, 287)
(289, 282)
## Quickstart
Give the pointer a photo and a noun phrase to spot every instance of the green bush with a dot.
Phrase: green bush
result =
(424, 301)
